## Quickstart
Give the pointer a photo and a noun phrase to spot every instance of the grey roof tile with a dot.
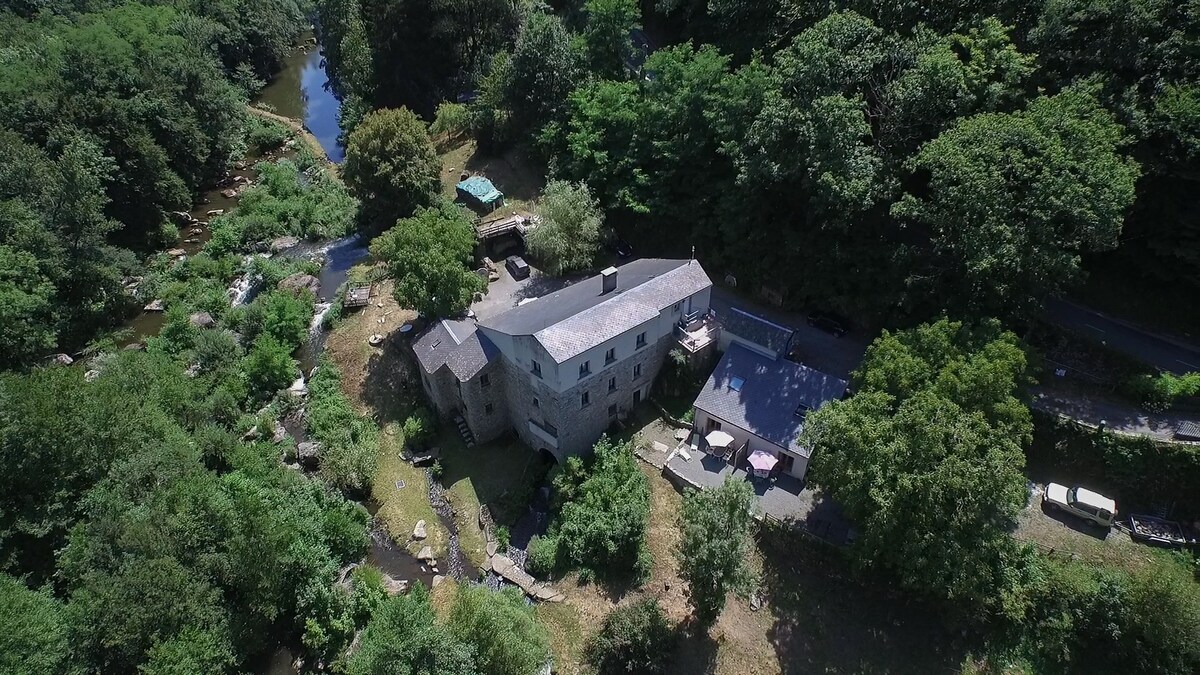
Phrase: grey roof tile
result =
(579, 317)
(455, 344)
(757, 330)
(772, 389)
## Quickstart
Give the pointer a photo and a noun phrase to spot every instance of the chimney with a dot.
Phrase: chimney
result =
(609, 279)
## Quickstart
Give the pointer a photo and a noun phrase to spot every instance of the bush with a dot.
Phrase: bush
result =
(269, 366)
(508, 638)
(502, 538)
(635, 638)
(417, 429)
(1158, 393)
(350, 443)
(542, 560)
(263, 134)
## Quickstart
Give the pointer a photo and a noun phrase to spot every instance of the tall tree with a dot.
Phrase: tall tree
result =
(33, 631)
(606, 38)
(429, 255)
(568, 237)
(926, 458)
(403, 637)
(545, 69)
(507, 637)
(714, 547)
(391, 165)
(1013, 200)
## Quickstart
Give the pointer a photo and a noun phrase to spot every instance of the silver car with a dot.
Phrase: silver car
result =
(1081, 502)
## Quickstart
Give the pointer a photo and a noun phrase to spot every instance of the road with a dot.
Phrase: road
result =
(1164, 353)
(817, 349)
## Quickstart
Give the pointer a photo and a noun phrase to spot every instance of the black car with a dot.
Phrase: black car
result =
(517, 267)
(830, 323)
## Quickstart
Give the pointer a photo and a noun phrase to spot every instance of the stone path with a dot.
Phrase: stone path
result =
(510, 572)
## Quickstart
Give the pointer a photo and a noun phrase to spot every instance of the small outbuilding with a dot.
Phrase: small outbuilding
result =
(478, 190)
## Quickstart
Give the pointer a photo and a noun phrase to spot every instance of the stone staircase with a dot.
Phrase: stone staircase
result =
(465, 431)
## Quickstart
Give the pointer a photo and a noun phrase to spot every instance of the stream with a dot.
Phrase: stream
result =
(301, 91)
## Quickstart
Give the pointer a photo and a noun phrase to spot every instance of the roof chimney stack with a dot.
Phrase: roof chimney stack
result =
(609, 279)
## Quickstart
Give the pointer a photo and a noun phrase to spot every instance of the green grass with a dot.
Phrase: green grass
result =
(566, 634)
(400, 509)
(501, 474)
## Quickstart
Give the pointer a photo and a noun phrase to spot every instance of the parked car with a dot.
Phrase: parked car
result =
(1081, 502)
(830, 323)
(517, 267)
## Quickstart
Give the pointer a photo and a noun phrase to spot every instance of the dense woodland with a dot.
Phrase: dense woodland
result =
(896, 161)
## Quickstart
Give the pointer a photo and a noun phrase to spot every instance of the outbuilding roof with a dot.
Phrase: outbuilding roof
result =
(581, 316)
(757, 330)
(455, 344)
(773, 398)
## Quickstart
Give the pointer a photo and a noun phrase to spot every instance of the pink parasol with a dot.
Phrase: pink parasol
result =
(762, 460)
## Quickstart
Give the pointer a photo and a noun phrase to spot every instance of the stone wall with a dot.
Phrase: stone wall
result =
(476, 398)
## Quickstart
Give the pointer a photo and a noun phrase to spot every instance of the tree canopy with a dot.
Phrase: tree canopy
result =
(567, 238)
(712, 552)
(391, 166)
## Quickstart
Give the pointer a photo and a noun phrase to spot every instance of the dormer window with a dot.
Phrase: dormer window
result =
(801, 410)
(585, 369)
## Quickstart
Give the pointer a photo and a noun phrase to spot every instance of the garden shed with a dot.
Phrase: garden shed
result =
(479, 190)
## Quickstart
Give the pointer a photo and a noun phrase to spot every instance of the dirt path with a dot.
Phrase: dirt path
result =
(300, 130)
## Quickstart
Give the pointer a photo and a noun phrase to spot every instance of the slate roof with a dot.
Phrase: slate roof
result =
(455, 344)
(757, 330)
(766, 403)
(579, 317)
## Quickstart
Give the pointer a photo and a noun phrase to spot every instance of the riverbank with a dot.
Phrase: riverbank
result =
(302, 133)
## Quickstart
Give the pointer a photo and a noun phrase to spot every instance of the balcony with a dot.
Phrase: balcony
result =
(544, 431)
(697, 331)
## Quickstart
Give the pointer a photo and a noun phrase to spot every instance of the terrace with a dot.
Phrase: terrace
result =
(697, 332)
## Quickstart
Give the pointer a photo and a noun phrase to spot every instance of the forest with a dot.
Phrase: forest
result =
(936, 171)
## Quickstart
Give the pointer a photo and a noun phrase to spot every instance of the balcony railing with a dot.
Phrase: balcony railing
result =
(697, 331)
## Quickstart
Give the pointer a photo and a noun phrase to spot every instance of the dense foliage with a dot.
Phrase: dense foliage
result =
(404, 637)
(926, 457)
(507, 638)
(349, 443)
(713, 551)
(635, 638)
(390, 166)
(603, 511)
(567, 238)
(429, 256)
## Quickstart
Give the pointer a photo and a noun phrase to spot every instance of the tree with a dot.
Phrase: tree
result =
(606, 38)
(635, 638)
(568, 236)
(27, 317)
(714, 547)
(403, 637)
(544, 71)
(391, 165)
(269, 366)
(33, 631)
(428, 256)
(451, 119)
(926, 458)
(605, 509)
(1014, 199)
(508, 639)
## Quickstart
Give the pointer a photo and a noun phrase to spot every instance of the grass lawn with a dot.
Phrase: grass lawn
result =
(400, 509)
(511, 173)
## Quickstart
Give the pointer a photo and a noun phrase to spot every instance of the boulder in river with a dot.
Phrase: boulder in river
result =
(176, 252)
(437, 580)
(182, 217)
(309, 453)
(155, 306)
(419, 532)
(298, 282)
(91, 375)
(229, 193)
(202, 320)
(216, 212)
(278, 433)
(62, 359)
(425, 554)
(284, 243)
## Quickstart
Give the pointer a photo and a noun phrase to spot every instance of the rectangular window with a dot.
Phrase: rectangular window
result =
(584, 400)
(537, 369)
(484, 380)
(612, 410)
(610, 356)
(585, 369)
(612, 384)
(641, 340)
(637, 371)
(488, 409)
(677, 306)
(535, 402)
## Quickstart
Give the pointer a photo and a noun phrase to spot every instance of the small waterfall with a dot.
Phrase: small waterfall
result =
(243, 287)
(320, 310)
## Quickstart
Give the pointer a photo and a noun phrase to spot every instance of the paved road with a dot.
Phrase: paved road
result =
(817, 349)
(1164, 353)
(1116, 416)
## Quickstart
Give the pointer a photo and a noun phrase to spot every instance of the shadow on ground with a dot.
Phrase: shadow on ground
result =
(830, 620)
(391, 386)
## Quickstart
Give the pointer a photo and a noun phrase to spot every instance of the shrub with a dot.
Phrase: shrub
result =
(263, 134)
(436, 470)
(502, 538)
(350, 443)
(269, 366)
(543, 556)
(1158, 393)
(508, 638)
(417, 429)
(635, 638)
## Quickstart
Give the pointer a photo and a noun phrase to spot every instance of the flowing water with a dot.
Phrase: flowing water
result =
(301, 91)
